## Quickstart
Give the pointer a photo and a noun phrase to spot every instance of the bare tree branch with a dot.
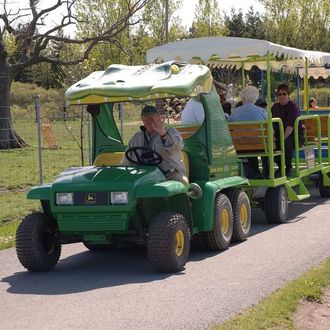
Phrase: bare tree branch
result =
(34, 43)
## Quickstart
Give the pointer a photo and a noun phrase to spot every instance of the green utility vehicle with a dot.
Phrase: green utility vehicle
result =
(109, 204)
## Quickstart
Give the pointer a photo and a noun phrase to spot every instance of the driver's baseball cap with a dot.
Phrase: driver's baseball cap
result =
(148, 110)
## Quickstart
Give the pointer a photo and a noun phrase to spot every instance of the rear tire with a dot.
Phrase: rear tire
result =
(168, 242)
(218, 239)
(37, 247)
(276, 205)
(240, 204)
(324, 190)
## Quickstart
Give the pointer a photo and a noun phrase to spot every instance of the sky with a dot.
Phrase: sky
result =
(187, 11)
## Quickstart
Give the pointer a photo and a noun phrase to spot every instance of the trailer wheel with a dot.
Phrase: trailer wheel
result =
(168, 242)
(97, 247)
(324, 190)
(276, 205)
(240, 204)
(37, 247)
(219, 237)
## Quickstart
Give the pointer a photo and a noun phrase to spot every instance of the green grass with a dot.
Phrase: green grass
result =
(20, 171)
(277, 310)
(20, 167)
(14, 207)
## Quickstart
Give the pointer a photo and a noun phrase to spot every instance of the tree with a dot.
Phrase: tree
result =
(235, 24)
(207, 21)
(298, 23)
(135, 40)
(254, 25)
(32, 40)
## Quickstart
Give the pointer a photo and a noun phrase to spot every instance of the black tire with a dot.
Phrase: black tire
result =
(168, 242)
(324, 190)
(97, 247)
(276, 205)
(241, 207)
(218, 239)
(37, 247)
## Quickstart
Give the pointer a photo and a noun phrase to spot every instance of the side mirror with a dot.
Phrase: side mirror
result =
(195, 191)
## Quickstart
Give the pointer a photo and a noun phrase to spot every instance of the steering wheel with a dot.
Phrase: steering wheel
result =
(156, 160)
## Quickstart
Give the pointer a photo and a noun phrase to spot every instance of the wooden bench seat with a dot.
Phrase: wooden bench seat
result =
(187, 131)
(311, 128)
(251, 138)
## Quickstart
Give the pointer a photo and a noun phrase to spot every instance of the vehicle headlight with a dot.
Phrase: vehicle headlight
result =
(119, 197)
(64, 198)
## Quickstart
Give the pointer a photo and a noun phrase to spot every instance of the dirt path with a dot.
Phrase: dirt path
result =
(312, 315)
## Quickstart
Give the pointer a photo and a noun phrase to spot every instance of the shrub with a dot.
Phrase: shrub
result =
(23, 98)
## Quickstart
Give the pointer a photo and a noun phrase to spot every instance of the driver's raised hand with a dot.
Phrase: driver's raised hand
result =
(158, 125)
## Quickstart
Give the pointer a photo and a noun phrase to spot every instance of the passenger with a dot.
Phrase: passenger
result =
(193, 112)
(261, 103)
(167, 142)
(221, 90)
(312, 104)
(288, 111)
(226, 109)
(250, 112)
(238, 104)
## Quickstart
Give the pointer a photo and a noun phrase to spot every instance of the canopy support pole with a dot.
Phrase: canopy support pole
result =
(270, 124)
(306, 91)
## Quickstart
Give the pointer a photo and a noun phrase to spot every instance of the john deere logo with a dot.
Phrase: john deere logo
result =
(90, 198)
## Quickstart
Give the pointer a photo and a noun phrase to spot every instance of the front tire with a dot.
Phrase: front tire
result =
(218, 239)
(168, 242)
(276, 205)
(37, 247)
(240, 204)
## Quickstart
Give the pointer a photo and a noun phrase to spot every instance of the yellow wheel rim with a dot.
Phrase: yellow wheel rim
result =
(244, 216)
(224, 220)
(179, 242)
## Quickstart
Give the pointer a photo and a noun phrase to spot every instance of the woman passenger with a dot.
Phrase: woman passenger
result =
(288, 111)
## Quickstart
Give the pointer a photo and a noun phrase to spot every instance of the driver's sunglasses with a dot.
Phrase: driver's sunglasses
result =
(282, 94)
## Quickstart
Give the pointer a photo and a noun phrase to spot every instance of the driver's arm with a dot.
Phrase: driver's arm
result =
(173, 140)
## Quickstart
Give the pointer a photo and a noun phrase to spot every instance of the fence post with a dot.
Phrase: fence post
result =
(38, 113)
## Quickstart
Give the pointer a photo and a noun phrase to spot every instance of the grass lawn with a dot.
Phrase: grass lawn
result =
(20, 171)
(20, 167)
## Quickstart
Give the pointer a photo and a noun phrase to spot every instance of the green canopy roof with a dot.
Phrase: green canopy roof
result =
(124, 83)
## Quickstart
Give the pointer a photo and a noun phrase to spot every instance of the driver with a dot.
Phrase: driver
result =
(167, 142)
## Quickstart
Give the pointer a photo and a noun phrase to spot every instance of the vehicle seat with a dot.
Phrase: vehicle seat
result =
(115, 158)
(109, 158)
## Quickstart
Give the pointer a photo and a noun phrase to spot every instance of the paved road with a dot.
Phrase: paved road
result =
(118, 290)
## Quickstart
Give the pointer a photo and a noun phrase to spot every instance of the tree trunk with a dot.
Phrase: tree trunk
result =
(9, 139)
